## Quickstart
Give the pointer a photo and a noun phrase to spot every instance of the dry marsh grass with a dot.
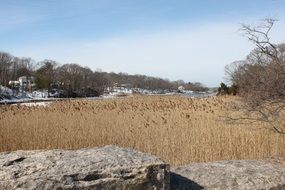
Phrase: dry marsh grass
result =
(179, 130)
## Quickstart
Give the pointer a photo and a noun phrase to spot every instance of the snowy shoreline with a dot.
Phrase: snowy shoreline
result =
(46, 101)
(35, 98)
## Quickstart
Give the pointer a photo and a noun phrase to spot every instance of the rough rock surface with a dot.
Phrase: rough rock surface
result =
(237, 174)
(112, 167)
(108, 167)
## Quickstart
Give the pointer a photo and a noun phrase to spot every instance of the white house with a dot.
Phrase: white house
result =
(26, 81)
(23, 82)
(181, 88)
(14, 83)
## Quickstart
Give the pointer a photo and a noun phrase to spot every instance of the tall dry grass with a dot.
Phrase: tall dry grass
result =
(177, 129)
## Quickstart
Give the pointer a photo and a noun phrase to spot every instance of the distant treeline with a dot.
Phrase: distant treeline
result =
(73, 78)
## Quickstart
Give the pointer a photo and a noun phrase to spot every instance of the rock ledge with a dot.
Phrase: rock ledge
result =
(108, 167)
(234, 174)
(111, 167)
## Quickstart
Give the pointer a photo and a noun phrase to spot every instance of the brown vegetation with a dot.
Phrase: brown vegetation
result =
(259, 79)
(179, 130)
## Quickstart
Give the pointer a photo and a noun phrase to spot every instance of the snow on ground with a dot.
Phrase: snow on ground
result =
(40, 94)
(5, 90)
(8, 96)
(35, 104)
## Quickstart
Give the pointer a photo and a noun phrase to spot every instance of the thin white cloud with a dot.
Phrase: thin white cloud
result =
(12, 17)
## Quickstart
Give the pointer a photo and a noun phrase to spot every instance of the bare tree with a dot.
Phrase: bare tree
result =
(261, 78)
(5, 67)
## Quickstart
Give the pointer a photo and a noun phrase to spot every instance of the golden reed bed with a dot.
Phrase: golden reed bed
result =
(179, 130)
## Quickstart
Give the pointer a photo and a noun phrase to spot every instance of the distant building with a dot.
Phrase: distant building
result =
(125, 85)
(24, 82)
(14, 83)
(181, 89)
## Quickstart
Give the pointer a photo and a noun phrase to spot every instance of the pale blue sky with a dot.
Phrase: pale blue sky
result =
(174, 39)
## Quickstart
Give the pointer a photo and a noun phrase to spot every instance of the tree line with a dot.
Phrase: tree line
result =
(75, 80)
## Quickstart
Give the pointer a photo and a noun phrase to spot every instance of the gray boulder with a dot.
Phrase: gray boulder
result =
(237, 174)
(108, 167)
(111, 167)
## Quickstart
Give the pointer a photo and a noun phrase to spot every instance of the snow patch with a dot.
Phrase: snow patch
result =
(35, 104)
